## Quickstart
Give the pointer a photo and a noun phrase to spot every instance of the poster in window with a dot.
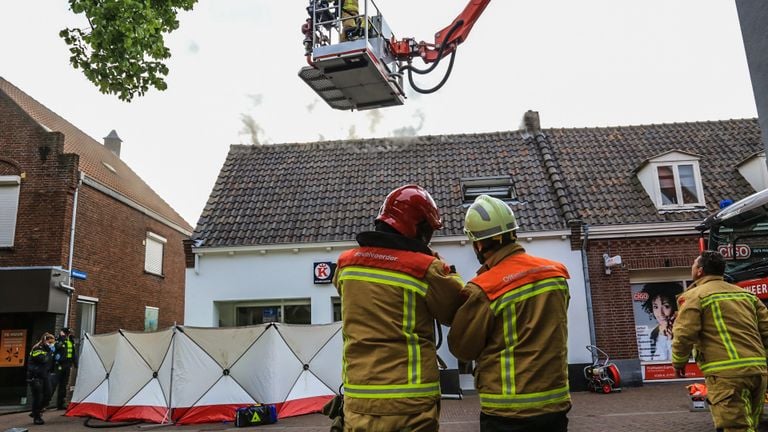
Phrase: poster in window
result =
(655, 309)
(150, 319)
(13, 348)
(269, 314)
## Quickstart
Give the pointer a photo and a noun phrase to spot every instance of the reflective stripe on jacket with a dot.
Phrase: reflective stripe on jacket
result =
(40, 361)
(390, 299)
(727, 326)
(515, 325)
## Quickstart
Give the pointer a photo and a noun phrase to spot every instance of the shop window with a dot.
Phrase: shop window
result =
(286, 311)
(153, 254)
(9, 206)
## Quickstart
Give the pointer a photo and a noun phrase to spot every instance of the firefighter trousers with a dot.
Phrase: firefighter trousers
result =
(736, 403)
(426, 421)
(554, 422)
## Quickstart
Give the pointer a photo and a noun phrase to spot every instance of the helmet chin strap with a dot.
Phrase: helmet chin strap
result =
(480, 254)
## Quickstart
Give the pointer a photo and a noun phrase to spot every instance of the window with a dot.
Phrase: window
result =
(153, 256)
(501, 187)
(86, 316)
(679, 185)
(285, 311)
(336, 308)
(151, 315)
(9, 205)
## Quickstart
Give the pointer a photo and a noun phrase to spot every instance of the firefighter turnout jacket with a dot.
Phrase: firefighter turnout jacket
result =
(727, 326)
(392, 289)
(515, 325)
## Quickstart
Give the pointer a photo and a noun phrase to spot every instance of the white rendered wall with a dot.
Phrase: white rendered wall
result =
(284, 275)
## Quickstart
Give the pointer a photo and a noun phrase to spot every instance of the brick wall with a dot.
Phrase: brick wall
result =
(109, 234)
(45, 194)
(611, 295)
(109, 247)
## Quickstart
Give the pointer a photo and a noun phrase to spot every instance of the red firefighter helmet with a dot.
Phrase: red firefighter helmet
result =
(406, 207)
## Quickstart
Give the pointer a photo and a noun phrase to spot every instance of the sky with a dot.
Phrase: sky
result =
(586, 63)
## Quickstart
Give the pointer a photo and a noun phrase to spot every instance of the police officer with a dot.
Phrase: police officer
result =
(514, 324)
(39, 369)
(64, 358)
(729, 329)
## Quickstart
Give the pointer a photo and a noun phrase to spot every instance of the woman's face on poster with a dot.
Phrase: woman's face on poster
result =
(662, 309)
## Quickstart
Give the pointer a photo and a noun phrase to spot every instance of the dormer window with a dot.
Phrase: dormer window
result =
(673, 181)
(679, 185)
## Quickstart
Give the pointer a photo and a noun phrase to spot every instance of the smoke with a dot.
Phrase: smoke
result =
(311, 106)
(375, 117)
(409, 131)
(256, 99)
(251, 129)
(352, 134)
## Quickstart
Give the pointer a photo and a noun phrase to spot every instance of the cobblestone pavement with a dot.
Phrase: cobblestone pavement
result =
(651, 408)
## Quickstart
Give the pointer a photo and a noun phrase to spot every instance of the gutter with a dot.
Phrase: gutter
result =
(69, 285)
(588, 286)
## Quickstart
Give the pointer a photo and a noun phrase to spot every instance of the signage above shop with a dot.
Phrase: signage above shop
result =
(324, 272)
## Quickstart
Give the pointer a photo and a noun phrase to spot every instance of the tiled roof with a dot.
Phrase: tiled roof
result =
(330, 191)
(94, 156)
(600, 166)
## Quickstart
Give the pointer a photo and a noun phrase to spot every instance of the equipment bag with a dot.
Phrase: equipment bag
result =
(255, 415)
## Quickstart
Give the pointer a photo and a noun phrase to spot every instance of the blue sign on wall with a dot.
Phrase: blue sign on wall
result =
(77, 274)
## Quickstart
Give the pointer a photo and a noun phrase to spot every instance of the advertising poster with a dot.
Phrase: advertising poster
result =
(13, 348)
(655, 308)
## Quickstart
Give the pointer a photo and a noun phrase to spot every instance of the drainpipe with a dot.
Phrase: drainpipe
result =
(588, 286)
(72, 246)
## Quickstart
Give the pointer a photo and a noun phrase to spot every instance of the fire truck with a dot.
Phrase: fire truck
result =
(739, 232)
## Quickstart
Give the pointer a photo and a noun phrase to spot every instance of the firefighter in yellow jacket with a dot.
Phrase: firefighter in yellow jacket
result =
(392, 289)
(514, 324)
(728, 328)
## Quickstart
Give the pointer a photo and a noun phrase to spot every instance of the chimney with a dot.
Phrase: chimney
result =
(531, 122)
(112, 142)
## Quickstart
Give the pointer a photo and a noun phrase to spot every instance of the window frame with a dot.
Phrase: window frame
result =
(501, 187)
(154, 239)
(281, 303)
(335, 301)
(675, 165)
(11, 182)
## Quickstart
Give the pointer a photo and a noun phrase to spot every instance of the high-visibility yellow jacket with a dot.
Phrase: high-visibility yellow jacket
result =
(727, 326)
(515, 325)
(389, 301)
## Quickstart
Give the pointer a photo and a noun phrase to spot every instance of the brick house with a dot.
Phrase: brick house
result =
(67, 202)
(640, 191)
